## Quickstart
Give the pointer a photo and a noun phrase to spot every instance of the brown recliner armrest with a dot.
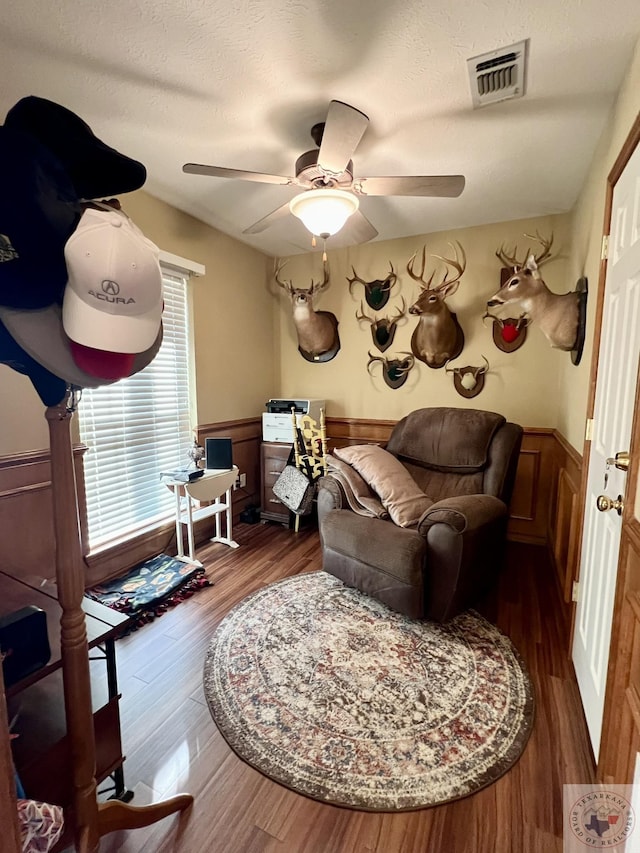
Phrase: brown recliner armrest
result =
(464, 536)
(463, 513)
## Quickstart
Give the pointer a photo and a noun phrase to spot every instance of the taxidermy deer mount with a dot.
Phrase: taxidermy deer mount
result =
(509, 333)
(383, 330)
(317, 331)
(438, 337)
(376, 293)
(394, 370)
(469, 381)
(559, 316)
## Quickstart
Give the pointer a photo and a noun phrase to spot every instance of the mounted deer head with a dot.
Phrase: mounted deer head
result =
(469, 381)
(438, 337)
(376, 293)
(317, 330)
(526, 293)
(383, 330)
(394, 370)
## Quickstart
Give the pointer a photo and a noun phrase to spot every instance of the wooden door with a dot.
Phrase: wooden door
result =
(620, 746)
(612, 424)
(619, 743)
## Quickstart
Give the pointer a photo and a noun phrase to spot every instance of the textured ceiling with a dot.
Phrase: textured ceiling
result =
(240, 85)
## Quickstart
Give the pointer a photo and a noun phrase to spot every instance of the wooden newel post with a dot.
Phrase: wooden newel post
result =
(75, 653)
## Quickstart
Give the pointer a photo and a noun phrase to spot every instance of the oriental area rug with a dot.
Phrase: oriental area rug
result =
(330, 693)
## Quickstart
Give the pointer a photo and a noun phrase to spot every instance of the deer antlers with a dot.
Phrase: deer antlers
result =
(468, 381)
(394, 370)
(316, 286)
(385, 284)
(510, 260)
(406, 363)
(459, 263)
(385, 320)
(476, 370)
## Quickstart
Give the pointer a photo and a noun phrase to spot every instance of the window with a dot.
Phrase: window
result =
(136, 428)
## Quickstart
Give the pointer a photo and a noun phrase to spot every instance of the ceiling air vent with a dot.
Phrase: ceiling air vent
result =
(498, 75)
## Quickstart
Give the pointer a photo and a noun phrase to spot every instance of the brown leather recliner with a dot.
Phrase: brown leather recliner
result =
(465, 461)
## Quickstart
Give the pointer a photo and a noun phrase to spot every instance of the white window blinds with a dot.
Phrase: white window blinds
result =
(135, 429)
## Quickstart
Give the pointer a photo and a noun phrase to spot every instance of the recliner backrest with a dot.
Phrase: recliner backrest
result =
(451, 451)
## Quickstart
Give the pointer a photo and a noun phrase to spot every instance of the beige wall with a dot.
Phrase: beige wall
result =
(233, 332)
(522, 385)
(585, 254)
(233, 328)
(22, 426)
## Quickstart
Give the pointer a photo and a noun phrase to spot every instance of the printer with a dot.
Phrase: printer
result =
(277, 423)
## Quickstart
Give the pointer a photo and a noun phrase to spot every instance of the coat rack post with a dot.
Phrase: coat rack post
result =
(73, 634)
(91, 819)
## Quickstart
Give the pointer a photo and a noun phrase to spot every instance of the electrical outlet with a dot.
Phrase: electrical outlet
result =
(243, 481)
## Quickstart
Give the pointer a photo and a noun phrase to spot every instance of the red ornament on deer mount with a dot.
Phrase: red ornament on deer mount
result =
(509, 334)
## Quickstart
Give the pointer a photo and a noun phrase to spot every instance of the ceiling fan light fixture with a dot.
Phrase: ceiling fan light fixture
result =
(323, 212)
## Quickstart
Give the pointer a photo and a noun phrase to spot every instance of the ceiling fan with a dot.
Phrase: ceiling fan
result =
(330, 197)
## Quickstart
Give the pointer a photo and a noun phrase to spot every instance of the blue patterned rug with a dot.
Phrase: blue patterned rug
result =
(149, 589)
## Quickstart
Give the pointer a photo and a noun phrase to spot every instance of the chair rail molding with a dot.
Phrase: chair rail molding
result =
(544, 509)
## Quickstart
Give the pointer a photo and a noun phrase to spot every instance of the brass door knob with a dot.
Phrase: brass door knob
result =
(604, 504)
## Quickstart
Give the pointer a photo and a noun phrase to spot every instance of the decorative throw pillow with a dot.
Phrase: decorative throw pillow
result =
(398, 491)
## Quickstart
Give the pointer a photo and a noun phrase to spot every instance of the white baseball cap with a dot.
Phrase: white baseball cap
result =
(39, 332)
(113, 297)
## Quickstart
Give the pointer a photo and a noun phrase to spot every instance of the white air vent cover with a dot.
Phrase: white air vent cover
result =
(498, 75)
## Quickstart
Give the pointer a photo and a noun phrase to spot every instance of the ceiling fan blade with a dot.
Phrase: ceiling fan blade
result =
(222, 172)
(269, 219)
(343, 130)
(444, 186)
(357, 229)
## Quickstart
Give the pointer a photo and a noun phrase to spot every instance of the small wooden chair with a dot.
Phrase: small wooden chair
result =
(309, 447)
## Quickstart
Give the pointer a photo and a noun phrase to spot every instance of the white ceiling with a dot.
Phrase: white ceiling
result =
(240, 85)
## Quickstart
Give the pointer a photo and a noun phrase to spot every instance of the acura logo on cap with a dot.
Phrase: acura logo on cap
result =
(110, 291)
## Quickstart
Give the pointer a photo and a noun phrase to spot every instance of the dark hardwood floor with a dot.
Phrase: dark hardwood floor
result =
(173, 745)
